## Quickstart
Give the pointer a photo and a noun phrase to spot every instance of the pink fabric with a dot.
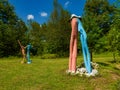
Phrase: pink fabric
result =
(73, 45)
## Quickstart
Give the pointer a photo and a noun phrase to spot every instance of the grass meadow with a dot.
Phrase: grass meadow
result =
(49, 74)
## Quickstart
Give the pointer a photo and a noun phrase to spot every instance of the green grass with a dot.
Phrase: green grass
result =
(49, 74)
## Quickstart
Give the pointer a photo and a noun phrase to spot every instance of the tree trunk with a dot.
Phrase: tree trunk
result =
(91, 56)
(114, 57)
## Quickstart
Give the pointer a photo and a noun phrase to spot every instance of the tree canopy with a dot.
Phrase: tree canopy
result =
(11, 29)
(100, 20)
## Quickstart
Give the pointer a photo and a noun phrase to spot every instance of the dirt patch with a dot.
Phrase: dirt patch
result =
(118, 66)
(102, 82)
(115, 76)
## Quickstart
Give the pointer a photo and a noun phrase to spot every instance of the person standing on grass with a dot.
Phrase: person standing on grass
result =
(76, 26)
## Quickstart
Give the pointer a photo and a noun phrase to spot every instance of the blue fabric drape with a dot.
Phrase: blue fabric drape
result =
(85, 50)
(28, 53)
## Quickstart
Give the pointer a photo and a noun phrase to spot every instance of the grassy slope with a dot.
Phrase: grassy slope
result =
(49, 74)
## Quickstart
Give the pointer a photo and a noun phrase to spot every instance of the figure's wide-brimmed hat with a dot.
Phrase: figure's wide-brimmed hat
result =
(74, 16)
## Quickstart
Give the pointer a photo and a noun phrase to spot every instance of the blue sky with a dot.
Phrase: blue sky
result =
(40, 10)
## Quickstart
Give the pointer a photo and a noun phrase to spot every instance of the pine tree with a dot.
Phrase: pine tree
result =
(58, 30)
(97, 21)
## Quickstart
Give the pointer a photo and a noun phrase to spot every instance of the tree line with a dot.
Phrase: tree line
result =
(100, 20)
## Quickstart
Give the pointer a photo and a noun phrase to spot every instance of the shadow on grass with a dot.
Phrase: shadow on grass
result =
(114, 61)
(103, 64)
(107, 65)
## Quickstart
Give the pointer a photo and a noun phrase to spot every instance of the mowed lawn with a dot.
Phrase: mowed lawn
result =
(49, 74)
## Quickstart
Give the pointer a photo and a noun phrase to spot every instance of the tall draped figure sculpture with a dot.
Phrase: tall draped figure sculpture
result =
(28, 53)
(76, 26)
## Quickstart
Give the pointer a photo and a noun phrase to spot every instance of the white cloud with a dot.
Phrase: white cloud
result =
(67, 3)
(30, 17)
(43, 14)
